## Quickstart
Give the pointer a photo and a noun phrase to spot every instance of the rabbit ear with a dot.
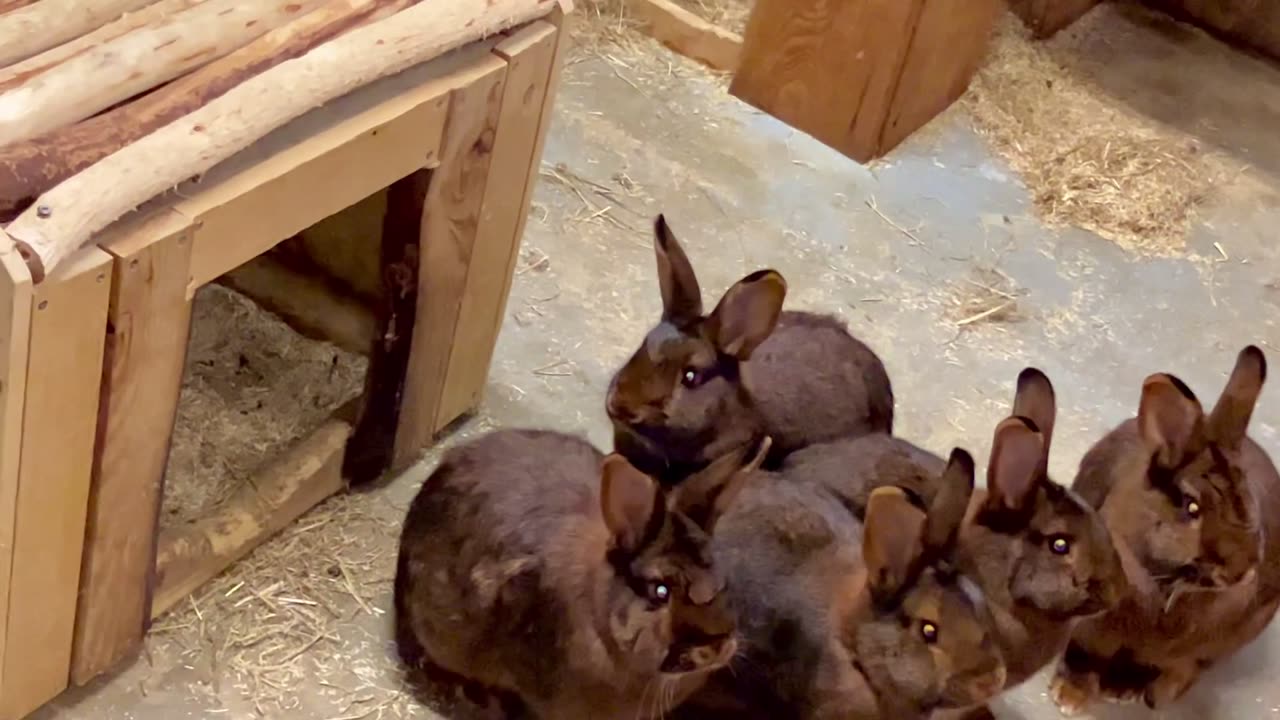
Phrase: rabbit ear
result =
(1170, 419)
(748, 313)
(891, 543)
(705, 496)
(631, 502)
(681, 296)
(1229, 421)
(951, 503)
(1014, 471)
(1036, 401)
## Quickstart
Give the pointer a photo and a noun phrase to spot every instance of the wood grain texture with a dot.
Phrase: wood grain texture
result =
(32, 29)
(829, 69)
(530, 55)
(688, 34)
(1046, 17)
(276, 495)
(68, 330)
(95, 197)
(16, 295)
(115, 71)
(149, 323)
(450, 222)
(1251, 23)
(7, 5)
(306, 302)
(948, 46)
(31, 167)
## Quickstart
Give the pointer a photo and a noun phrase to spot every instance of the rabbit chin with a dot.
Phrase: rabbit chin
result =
(705, 658)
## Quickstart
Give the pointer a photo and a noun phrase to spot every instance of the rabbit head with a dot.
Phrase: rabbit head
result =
(1189, 513)
(923, 641)
(679, 400)
(1036, 540)
(671, 613)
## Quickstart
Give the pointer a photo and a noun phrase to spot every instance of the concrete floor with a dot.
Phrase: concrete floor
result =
(744, 191)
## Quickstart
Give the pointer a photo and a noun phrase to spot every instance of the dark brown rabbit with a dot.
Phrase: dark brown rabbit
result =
(1041, 554)
(701, 385)
(839, 621)
(533, 566)
(1194, 505)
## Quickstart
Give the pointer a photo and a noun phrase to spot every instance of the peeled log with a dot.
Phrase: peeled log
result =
(7, 5)
(67, 216)
(31, 167)
(35, 28)
(134, 63)
(15, 74)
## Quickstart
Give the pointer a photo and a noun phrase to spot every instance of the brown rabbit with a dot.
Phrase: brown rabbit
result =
(842, 622)
(1041, 554)
(700, 385)
(1194, 505)
(533, 566)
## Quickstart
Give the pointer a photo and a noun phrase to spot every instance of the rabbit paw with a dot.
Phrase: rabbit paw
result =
(1072, 694)
(1171, 685)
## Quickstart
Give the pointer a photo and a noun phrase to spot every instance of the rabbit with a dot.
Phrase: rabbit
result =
(1194, 505)
(1041, 553)
(844, 621)
(699, 385)
(532, 566)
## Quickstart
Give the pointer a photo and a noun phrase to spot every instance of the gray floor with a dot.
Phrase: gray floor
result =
(744, 191)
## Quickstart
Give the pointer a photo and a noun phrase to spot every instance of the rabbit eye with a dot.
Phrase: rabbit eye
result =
(1193, 509)
(1060, 545)
(691, 378)
(659, 592)
(929, 632)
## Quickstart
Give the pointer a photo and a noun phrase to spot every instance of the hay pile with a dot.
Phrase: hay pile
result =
(1088, 160)
(252, 386)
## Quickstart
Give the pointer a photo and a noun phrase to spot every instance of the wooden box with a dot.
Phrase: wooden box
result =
(91, 358)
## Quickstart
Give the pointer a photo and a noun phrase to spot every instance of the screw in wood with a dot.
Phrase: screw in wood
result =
(44, 211)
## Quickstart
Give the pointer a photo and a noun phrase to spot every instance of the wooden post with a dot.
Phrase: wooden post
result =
(68, 330)
(861, 75)
(450, 221)
(149, 321)
(1047, 17)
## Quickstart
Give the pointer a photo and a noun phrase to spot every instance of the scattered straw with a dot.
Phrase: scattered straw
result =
(1088, 159)
(988, 296)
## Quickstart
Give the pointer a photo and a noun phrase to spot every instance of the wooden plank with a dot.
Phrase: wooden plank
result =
(530, 54)
(149, 323)
(450, 222)
(279, 493)
(68, 331)
(305, 302)
(16, 294)
(1047, 17)
(1252, 23)
(829, 69)
(688, 34)
(950, 42)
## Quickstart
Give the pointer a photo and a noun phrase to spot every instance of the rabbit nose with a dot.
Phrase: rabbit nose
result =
(980, 684)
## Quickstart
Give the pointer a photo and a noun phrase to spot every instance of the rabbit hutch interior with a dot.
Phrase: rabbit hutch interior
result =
(268, 261)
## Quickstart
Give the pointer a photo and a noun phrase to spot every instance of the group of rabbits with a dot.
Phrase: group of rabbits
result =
(760, 545)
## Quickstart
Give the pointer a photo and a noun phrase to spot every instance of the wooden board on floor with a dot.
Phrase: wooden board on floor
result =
(530, 55)
(836, 70)
(68, 331)
(688, 34)
(150, 318)
(16, 293)
(1047, 17)
(450, 221)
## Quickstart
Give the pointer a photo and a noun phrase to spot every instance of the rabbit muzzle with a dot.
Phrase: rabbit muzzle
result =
(975, 686)
(704, 656)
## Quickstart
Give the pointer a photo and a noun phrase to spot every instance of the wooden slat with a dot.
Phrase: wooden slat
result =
(16, 294)
(150, 318)
(68, 330)
(450, 222)
(530, 54)
(276, 495)
(1047, 17)
(950, 42)
(827, 68)
(688, 34)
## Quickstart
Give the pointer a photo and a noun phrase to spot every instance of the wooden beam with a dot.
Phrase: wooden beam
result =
(306, 302)
(149, 324)
(279, 493)
(27, 31)
(688, 34)
(1047, 17)
(16, 295)
(68, 331)
(530, 55)
(450, 222)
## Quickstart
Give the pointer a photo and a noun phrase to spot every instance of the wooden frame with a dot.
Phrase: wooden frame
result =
(91, 359)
